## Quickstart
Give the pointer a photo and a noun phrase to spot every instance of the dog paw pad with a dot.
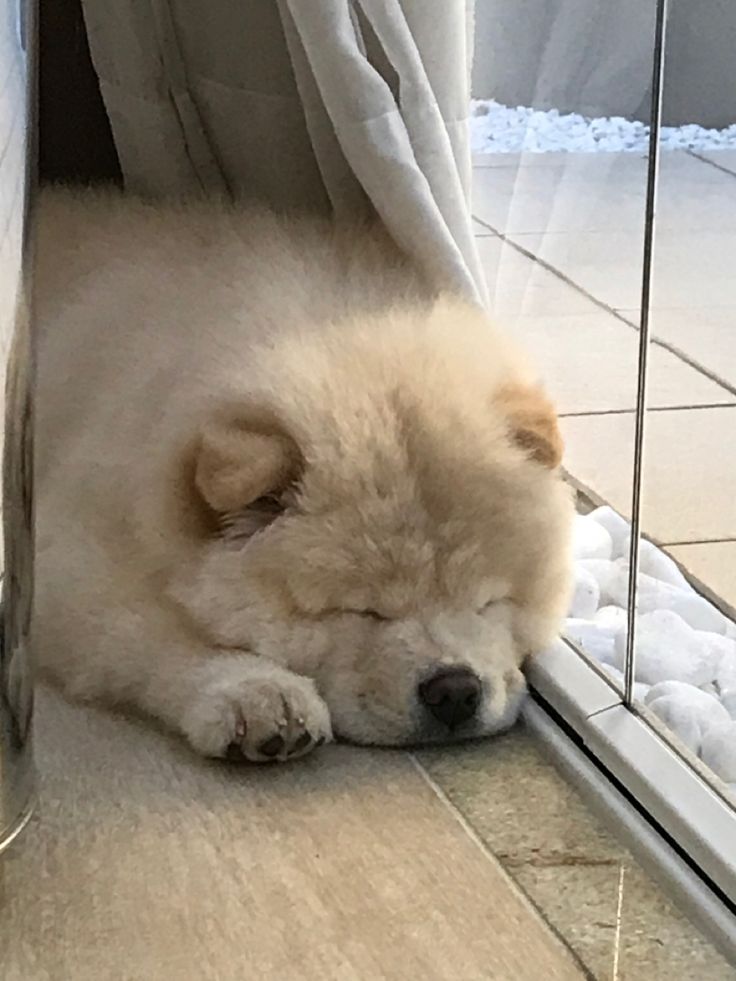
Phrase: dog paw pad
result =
(262, 714)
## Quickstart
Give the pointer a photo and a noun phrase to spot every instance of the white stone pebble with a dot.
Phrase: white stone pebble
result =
(590, 540)
(586, 594)
(596, 640)
(667, 649)
(726, 673)
(690, 721)
(718, 750)
(725, 683)
(657, 564)
(654, 595)
(688, 711)
(617, 527)
(694, 609)
(682, 720)
(613, 617)
(604, 572)
(682, 691)
(685, 647)
(728, 701)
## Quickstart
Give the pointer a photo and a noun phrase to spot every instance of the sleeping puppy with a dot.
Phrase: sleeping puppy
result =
(285, 493)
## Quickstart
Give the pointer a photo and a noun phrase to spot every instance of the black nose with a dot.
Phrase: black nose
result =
(452, 695)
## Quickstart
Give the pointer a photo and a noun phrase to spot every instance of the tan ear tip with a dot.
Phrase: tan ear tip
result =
(235, 466)
(533, 423)
(546, 448)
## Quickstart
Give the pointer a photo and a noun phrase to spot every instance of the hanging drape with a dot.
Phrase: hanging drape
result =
(346, 105)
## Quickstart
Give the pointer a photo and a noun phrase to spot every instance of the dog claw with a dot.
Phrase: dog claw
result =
(272, 747)
(302, 742)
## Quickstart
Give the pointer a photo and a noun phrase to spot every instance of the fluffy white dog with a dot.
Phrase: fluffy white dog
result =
(284, 492)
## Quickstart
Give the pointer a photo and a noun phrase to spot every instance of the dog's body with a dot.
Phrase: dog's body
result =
(281, 489)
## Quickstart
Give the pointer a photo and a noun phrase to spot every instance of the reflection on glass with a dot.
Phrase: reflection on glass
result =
(560, 129)
(686, 636)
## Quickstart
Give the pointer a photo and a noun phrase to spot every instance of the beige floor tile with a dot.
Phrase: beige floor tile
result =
(516, 160)
(672, 162)
(600, 192)
(713, 564)
(589, 363)
(707, 335)
(520, 286)
(689, 476)
(581, 901)
(558, 199)
(689, 269)
(606, 265)
(572, 867)
(147, 863)
(623, 923)
(518, 803)
(657, 942)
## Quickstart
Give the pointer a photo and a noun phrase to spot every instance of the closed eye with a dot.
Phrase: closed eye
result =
(369, 614)
(239, 527)
(269, 504)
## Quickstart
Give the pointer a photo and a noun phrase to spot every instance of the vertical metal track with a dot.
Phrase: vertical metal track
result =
(655, 124)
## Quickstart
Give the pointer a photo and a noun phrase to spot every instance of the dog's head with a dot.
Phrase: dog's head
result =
(386, 516)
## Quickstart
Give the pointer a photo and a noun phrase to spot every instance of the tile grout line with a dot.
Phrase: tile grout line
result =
(557, 273)
(490, 857)
(518, 247)
(489, 228)
(462, 820)
(721, 382)
(711, 163)
(700, 541)
(683, 356)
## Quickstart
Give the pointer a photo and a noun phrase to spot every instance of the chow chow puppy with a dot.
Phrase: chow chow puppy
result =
(285, 492)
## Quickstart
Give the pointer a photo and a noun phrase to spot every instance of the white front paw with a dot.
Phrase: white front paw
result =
(257, 711)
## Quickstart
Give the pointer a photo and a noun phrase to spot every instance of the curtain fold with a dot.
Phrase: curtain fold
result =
(351, 106)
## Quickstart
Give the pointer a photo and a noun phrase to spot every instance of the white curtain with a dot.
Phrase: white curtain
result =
(348, 105)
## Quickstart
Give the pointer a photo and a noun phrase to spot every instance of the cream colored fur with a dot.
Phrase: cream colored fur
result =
(278, 482)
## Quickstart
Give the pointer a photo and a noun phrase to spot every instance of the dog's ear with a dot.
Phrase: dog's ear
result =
(533, 422)
(236, 465)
